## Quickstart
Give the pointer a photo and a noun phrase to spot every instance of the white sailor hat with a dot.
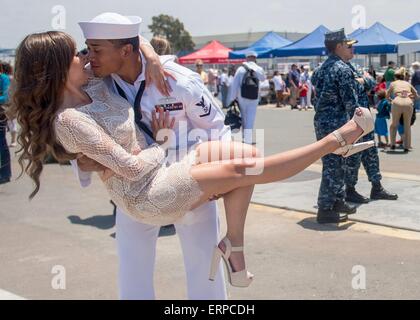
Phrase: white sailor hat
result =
(251, 54)
(111, 25)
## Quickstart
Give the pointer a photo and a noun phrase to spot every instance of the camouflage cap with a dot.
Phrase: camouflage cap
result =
(337, 37)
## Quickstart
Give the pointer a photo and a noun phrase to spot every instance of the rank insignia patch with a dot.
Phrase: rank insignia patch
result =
(206, 108)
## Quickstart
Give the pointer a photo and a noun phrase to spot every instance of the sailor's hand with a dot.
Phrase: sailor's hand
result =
(215, 197)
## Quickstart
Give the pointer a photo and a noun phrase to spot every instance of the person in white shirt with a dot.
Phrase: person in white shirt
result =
(248, 106)
(279, 87)
(198, 230)
(224, 86)
(213, 76)
(231, 75)
(264, 91)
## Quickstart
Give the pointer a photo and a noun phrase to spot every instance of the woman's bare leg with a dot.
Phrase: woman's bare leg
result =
(231, 179)
(221, 178)
(237, 200)
(236, 207)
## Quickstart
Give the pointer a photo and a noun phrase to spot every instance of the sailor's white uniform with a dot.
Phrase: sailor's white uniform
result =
(248, 107)
(194, 108)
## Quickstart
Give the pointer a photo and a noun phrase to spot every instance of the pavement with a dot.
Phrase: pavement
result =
(70, 231)
(403, 214)
(401, 174)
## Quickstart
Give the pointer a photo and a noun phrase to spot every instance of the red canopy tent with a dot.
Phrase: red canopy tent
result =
(214, 52)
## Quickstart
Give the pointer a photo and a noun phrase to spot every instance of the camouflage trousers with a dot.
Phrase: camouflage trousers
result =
(333, 167)
(370, 160)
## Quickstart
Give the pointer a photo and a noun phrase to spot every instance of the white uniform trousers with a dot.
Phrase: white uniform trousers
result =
(198, 232)
(248, 112)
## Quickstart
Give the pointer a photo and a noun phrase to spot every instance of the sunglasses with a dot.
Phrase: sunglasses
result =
(348, 45)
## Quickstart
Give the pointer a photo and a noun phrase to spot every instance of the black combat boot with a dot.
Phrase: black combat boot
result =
(379, 193)
(330, 216)
(353, 196)
(344, 207)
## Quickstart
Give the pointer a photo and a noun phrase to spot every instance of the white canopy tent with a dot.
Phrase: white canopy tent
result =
(409, 50)
(406, 47)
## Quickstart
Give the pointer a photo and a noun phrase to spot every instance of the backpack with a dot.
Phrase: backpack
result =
(233, 116)
(250, 84)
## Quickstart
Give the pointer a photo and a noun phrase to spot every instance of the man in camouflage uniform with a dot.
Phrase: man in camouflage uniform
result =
(368, 157)
(336, 98)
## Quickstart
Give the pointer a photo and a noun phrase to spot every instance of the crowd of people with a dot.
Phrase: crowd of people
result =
(294, 89)
(289, 89)
(249, 85)
(339, 87)
(396, 93)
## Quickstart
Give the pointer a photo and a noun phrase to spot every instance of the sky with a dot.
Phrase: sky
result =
(21, 17)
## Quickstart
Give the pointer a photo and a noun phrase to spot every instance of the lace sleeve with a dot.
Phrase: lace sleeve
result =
(80, 134)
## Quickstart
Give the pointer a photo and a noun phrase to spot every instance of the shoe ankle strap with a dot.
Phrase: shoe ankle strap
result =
(339, 138)
(229, 247)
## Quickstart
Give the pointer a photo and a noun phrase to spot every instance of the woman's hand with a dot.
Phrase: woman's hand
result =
(161, 120)
(106, 174)
(157, 75)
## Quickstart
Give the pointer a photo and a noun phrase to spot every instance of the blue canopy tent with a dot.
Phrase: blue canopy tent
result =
(268, 42)
(310, 45)
(377, 39)
(413, 32)
(356, 32)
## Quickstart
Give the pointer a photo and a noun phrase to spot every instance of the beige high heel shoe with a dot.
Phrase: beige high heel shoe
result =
(241, 278)
(364, 121)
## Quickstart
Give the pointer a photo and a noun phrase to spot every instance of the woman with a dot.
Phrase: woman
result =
(161, 46)
(403, 95)
(60, 110)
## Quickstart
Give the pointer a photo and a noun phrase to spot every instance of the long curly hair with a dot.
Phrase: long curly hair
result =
(41, 69)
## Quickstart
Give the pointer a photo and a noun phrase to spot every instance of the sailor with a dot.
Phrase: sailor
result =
(245, 89)
(114, 56)
(369, 157)
(336, 96)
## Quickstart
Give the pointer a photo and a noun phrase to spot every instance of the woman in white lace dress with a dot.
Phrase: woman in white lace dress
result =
(60, 111)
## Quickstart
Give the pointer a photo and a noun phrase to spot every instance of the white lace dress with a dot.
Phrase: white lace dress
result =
(144, 185)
